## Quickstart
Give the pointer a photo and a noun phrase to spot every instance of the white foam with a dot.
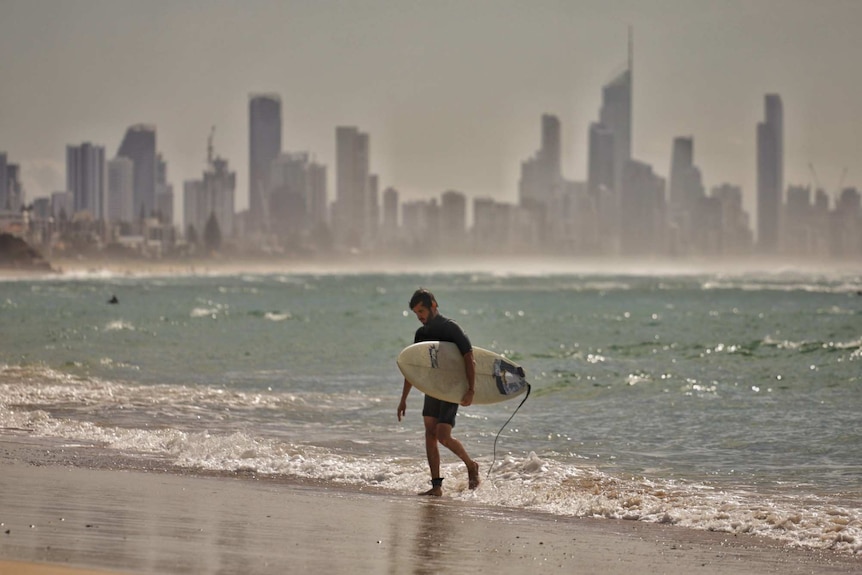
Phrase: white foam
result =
(272, 316)
(204, 312)
(522, 481)
(119, 325)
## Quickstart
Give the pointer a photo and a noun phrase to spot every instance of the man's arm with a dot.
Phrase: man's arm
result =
(402, 406)
(470, 370)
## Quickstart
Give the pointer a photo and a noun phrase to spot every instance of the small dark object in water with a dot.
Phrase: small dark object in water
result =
(113, 299)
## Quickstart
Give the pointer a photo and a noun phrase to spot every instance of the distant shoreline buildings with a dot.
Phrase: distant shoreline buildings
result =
(624, 208)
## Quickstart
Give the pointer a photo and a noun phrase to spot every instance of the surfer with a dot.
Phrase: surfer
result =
(438, 415)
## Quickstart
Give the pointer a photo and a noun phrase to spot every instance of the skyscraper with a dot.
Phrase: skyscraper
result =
(610, 149)
(642, 211)
(5, 204)
(85, 178)
(551, 151)
(264, 146)
(353, 204)
(542, 173)
(600, 167)
(14, 189)
(220, 190)
(770, 174)
(121, 190)
(616, 116)
(453, 221)
(164, 193)
(195, 210)
(681, 166)
(317, 206)
(291, 195)
(390, 210)
(139, 145)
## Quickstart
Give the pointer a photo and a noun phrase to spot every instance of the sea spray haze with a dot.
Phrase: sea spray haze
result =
(723, 402)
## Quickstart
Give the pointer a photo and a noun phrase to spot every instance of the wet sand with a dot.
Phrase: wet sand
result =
(61, 518)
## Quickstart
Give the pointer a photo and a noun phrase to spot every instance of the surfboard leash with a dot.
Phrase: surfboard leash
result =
(529, 389)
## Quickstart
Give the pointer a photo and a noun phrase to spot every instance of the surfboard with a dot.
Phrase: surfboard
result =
(437, 369)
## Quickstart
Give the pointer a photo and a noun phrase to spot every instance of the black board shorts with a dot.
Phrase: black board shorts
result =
(443, 411)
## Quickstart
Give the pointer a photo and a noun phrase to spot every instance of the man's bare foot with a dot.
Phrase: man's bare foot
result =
(473, 476)
(433, 492)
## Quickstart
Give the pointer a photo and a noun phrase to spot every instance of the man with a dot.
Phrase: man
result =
(439, 416)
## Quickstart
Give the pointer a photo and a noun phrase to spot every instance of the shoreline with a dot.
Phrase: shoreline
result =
(70, 268)
(57, 510)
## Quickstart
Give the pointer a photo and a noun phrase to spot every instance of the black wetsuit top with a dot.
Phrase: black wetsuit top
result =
(442, 329)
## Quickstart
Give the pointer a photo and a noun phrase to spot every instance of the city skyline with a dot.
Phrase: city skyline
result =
(450, 94)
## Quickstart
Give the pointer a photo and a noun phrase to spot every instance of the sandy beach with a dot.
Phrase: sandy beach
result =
(60, 517)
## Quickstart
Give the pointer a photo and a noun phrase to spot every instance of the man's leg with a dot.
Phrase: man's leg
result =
(433, 454)
(444, 436)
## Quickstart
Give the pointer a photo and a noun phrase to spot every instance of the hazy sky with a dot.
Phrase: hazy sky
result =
(451, 92)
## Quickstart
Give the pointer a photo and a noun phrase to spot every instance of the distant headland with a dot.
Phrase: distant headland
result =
(16, 254)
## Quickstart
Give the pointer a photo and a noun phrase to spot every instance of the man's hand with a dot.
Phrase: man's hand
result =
(402, 407)
(468, 398)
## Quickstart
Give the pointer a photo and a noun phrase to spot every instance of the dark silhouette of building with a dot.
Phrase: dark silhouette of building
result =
(770, 174)
(354, 218)
(264, 144)
(85, 178)
(610, 149)
(643, 211)
(139, 145)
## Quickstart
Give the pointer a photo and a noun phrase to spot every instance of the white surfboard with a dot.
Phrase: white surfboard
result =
(437, 369)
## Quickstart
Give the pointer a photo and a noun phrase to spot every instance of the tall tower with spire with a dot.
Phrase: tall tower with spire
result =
(610, 145)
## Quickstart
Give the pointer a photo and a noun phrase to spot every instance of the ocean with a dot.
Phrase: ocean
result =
(719, 401)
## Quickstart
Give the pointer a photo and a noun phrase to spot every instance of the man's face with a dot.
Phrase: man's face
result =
(423, 314)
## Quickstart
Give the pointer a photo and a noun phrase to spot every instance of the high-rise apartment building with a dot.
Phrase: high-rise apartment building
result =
(610, 149)
(291, 195)
(14, 189)
(220, 189)
(422, 225)
(736, 237)
(5, 204)
(212, 196)
(121, 190)
(642, 210)
(164, 193)
(195, 210)
(264, 146)
(298, 202)
(85, 178)
(686, 186)
(616, 117)
(770, 174)
(453, 221)
(390, 210)
(353, 216)
(139, 145)
(62, 205)
(690, 211)
(600, 163)
(318, 207)
(542, 174)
